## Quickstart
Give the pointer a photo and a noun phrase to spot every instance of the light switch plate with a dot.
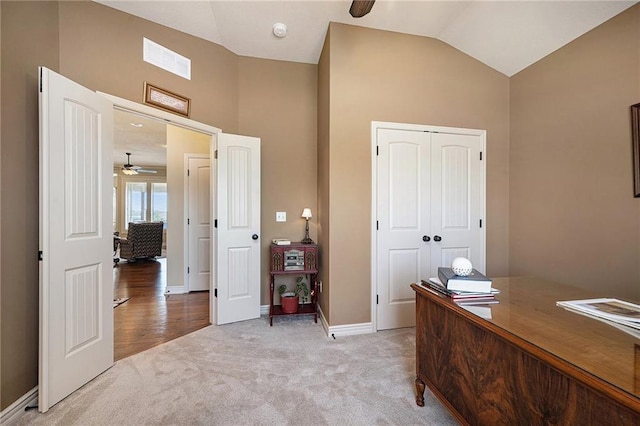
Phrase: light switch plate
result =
(281, 216)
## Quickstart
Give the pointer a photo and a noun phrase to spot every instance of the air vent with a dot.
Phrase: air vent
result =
(166, 59)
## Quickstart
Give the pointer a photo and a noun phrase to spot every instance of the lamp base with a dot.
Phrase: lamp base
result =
(307, 240)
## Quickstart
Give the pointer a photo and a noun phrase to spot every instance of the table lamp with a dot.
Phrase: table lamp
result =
(306, 213)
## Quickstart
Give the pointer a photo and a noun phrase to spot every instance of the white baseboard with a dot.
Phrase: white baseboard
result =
(323, 321)
(175, 289)
(350, 329)
(12, 413)
(344, 330)
(337, 330)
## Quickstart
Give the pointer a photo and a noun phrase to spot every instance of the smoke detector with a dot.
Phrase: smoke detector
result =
(279, 30)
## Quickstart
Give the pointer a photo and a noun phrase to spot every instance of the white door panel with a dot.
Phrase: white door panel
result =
(238, 266)
(403, 218)
(76, 239)
(199, 223)
(457, 197)
(429, 201)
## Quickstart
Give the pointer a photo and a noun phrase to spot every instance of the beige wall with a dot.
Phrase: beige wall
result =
(101, 48)
(573, 216)
(278, 104)
(323, 176)
(180, 141)
(385, 76)
(24, 48)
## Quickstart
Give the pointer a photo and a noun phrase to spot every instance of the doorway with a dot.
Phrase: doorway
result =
(76, 235)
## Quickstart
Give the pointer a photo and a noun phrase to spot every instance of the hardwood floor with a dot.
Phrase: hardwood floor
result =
(150, 318)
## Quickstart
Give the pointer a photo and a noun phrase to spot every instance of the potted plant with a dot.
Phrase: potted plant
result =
(291, 299)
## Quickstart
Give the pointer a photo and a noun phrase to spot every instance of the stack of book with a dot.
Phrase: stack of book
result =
(474, 289)
(474, 282)
(618, 313)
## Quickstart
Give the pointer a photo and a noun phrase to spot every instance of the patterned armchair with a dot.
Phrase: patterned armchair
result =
(144, 239)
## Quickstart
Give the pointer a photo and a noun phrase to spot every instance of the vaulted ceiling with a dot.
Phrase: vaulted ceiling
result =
(505, 35)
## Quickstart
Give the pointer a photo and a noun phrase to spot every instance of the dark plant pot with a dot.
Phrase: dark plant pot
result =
(289, 304)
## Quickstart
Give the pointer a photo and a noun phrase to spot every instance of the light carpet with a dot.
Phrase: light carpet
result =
(248, 373)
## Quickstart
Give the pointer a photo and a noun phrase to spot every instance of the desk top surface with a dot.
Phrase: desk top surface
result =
(528, 310)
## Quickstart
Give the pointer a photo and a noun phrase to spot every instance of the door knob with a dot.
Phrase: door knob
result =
(254, 237)
(437, 238)
(426, 238)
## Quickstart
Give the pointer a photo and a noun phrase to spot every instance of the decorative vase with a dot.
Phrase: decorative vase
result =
(289, 304)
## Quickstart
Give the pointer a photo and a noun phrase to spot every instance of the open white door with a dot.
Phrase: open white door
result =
(238, 244)
(76, 238)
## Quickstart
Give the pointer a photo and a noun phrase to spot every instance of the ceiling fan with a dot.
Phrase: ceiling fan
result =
(359, 8)
(130, 169)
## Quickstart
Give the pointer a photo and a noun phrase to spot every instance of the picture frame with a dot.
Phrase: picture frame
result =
(166, 100)
(635, 136)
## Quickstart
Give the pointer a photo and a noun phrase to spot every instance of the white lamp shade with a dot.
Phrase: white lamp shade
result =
(306, 213)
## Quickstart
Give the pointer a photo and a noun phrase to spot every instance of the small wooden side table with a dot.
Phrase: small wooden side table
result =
(295, 259)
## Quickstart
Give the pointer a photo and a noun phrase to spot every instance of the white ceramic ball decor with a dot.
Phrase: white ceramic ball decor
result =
(461, 266)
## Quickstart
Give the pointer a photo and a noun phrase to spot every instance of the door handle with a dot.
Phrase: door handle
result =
(254, 237)
(437, 238)
(426, 238)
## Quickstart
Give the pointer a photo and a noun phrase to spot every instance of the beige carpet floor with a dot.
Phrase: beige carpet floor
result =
(251, 374)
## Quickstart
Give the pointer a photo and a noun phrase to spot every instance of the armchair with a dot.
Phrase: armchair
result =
(143, 240)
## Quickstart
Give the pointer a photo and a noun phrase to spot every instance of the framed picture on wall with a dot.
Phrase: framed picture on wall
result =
(164, 99)
(635, 135)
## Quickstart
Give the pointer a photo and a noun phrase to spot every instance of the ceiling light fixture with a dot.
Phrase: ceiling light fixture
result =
(136, 124)
(279, 30)
(359, 8)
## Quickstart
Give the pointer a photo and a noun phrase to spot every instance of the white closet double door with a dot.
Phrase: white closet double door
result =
(430, 200)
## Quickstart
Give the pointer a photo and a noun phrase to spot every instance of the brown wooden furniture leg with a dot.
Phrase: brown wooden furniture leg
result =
(419, 392)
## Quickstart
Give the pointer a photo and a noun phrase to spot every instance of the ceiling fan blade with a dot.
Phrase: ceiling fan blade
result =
(146, 171)
(359, 8)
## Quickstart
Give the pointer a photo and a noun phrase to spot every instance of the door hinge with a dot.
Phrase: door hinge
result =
(40, 83)
(376, 299)
(480, 223)
(215, 154)
(377, 225)
(188, 221)
(215, 292)
(480, 155)
(188, 172)
(377, 150)
(215, 223)
(188, 270)
(40, 255)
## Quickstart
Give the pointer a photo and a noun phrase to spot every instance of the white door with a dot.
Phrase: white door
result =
(199, 224)
(238, 228)
(457, 194)
(403, 166)
(76, 238)
(430, 200)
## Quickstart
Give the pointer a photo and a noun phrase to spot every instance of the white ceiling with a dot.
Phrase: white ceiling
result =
(505, 35)
(144, 138)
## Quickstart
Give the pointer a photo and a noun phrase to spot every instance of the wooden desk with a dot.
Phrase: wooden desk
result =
(531, 363)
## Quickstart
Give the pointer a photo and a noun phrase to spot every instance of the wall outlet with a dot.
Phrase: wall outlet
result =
(281, 216)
